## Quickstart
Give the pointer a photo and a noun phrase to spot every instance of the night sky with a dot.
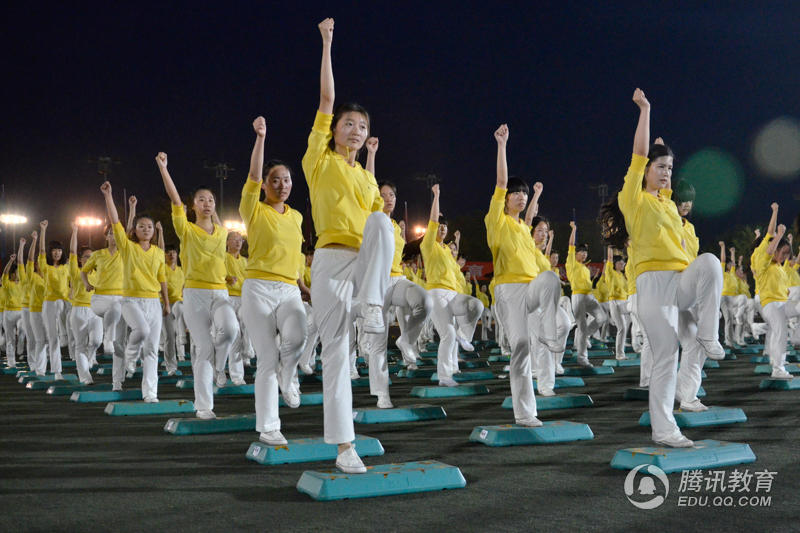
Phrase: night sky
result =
(437, 78)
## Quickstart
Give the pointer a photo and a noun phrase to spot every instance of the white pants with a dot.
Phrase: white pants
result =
(174, 336)
(338, 278)
(622, 320)
(602, 332)
(739, 318)
(777, 315)
(87, 329)
(109, 308)
(40, 342)
(51, 314)
(544, 360)
(449, 309)
(11, 320)
(271, 309)
(516, 302)
(728, 306)
(213, 326)
(690, 373)
(645, 354)
(486, 323)
(236, 354)
(413, 305)
(309, 355)
(660, 298)
(143, 316)
(30, 342)
(583, 305)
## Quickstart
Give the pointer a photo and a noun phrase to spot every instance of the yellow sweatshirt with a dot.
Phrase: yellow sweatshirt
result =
(56, 280)
(342, 197)
(275, 239)
(730, 283)
(616, 282)
(578, 274)
(653, 223)
(175, 281)
(12, 294)
(510, 241)
(142, 271)
(236, 268)
(690, 239)
(36, 288)
(80, 296)
(440, 266)
(601, 290)
(771, 279)
(205, 264)
(109, 271)
(484, 298)
(629, 275)
(792, 273)
(399, 244)
(744, 288)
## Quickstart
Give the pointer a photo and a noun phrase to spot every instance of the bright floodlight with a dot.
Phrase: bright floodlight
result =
(419, 230)
(13, 219)
(776, 149)
(235, 225)
(88, 222)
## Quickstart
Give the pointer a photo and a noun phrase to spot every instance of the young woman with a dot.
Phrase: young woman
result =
(35, 301)
(236, 265)
(207, 310)
(142, 279)
(174, 324)
(411, 303)
(12, 304)
(583, 302)
(730, 289)
(86, 326)
(617, 299)
(355, 245)
(106, 265)
(30, 342)
(666, 282)
(54, 309)
(527, 290)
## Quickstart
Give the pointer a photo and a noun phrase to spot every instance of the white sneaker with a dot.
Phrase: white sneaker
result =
(273, 438)
(384, 402)
(350, 463)
(559, 370)
(553, 345)
(206, 414)
(306, 369)
(621, 357)
(781, 373)
(530, 422)
(291, 397)
(693, 407)
(676, 442)
(58, 377)
(547, 392)
(412, 366)
(116, 387)
(171, 372)
(712, 348)
(151, 399)
(406, 349)
(239, 382)
(447, 382)
(465, 344)
(373, 318)
(354, 373)
(585, 363)
(221, 379)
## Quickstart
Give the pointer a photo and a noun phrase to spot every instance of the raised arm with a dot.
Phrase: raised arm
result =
(131, 212)
(773, 221)
(43, 240)
(435, 204)
(160, 233)
(7, 268)
(549, 248)
(501, 136)
(372, 149)
(326, 90)
(32, 248)
(572, 233)
(732, 251)
(722, 252)
(111, 209)
(457, 240)
(73, 240)
(641, 140)
(773, 246)
(169, 185)
(533, 206)
(21, 257)
(257, 157)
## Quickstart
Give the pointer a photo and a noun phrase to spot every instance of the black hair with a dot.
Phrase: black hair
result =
(268, 166)
(610, 218)
(617, 258)
(204, 188)
(340, 110)
(516, 185)
(443, 220)
(83, 249)
(55, 245)
(386, 183)
(170, 247)
(584, 247)
(539, 219)
(132, 232)
(783, 242)
(684, 192)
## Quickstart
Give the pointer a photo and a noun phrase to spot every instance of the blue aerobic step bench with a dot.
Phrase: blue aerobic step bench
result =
(586, 371)
(308, 450)
(563, 383)
(780, 384)
(559, 401)
(67, 390)
(468, 376)
(449, 392)
(551, 432)
(411, 413)
(639, 393)
(767, 369)
(223, 424)
(715, 416)
(106, 396)
(705, 454)
(381, 480)
(623, 362)
(144, 409)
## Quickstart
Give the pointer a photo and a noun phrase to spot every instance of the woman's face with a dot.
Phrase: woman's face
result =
(684, 208)
(144, 230)
(619, 266)
(781, 254)
(581, 256)
(172, 257)
(453, 250)
(55, 254)
(659, 174)
(204, 204)
(554, 259)
(516, 202)
(278, 185)
(351, 131)
(441, 233)
(84, 257)
(389, 199)
(234, 242)
(540, 232)
(110, 238)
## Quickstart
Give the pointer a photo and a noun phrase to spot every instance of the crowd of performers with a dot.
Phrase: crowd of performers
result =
(138, 295)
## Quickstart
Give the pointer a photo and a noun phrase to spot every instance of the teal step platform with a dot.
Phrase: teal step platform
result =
(749, 350)
(222, 424)
(184, 364)
(106, 396)
(144, 409)
(559, 401)
(314, 398)
(362, 382)
(495, 351)
(468, 355)
(620, 363)
(235, 390)
(67, 390)
(68, 364)
(185, 384)
(563, 383)
(715, 416)
(730, 356)
(449, 392)
(467, 376)
(430, 353)
(170, 380)
(767, 369)
(639, 393)
(706, 454)
(585, 371)
(10, 371)
(410, 413)
(430, 363)
(551, 432)
(499, 359)
(381, 480)
(308, 450)
(419, 373)
(44, 385)
(48, 377)
(759, 359)
(392, 369)
(710, 363)
(473, 364)
(432, 346)
(136, 374)
(780, 384)
(599, 353)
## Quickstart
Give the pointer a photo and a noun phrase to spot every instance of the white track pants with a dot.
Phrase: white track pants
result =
(728, 306)
(584, 305)
(777, 315)
(174, 336)
(109, 308)
(143, 316)
(622, 320)
(87, 330)
(51, 314)
(11, 321)
(40, 342)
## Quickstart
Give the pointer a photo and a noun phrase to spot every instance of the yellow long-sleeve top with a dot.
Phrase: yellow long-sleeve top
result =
(792, 273)
(80, 296)
(691, 240)
(744, 288)
(36, 288)
(578, 274)
(492, 285)
(342, 197)
(205, 265)
(484, 298)
(25, 283)
(142, 271)
(615, 282)
(236, 268)
(440, 266)
(771, 279)
(175, 282)
(653, 223)
(730, 283)
(56, 280)
(275, 239)
(466, 287)
(542, 262)
(509, 239)
(399, 244)
(306, 275)
(12, 294)
(629, 275)
(108, 268)
(601, 290)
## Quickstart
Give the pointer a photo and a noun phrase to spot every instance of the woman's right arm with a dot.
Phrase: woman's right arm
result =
(169, 185)
(773, 220)
(722, 253)
(131, 212)
(501, 136)
(435, 204)
(111, 209)
(326, 88)
(641, 140)
(43, 231)
(572, 233)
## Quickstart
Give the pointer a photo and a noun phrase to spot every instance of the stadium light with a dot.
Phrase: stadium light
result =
(88, 221)
(12, 219)
(235, 225)
(419, 230)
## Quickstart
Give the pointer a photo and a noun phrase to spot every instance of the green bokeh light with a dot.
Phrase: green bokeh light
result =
(718, 180)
